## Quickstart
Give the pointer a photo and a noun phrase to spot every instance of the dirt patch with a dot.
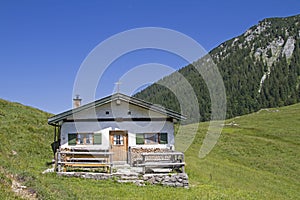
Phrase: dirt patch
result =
(18, 188)
(23, 191)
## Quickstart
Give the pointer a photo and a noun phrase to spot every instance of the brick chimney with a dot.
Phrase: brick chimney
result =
(76, 101)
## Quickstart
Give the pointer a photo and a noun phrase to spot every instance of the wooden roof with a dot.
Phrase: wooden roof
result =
(54, 120)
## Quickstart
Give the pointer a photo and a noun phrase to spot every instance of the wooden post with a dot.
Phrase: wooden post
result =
(129, 156)
(54, 134)
(55, 161)
(182, 161)
(111, 161)
(173, 158)
(144, 161)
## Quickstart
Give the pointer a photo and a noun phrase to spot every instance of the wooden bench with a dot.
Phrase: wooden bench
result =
(92, 159)
(84, 159)
(170, 160)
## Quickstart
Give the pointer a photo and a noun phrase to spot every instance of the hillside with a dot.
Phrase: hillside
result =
(260, 69)
(256, 157)
(25, 138)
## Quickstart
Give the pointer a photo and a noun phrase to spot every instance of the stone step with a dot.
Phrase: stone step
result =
(130, 181)
(161, 170)
(125, 176)
(129, 177)
(120, 164)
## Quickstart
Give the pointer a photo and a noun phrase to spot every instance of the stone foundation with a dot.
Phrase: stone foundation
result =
(97, 176)
(171, 180)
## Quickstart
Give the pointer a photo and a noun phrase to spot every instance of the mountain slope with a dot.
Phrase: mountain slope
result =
(25, 146)
(260, 68)
(256, 157)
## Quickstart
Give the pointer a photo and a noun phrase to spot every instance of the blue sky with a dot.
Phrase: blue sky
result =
(43, 42)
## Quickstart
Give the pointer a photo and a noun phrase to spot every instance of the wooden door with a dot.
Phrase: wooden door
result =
(119, 145)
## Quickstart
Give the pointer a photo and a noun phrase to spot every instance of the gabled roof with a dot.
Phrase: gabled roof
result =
(132, 100)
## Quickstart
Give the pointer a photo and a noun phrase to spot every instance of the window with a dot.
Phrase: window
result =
(97, 138)
(118, 139)
(84, 138)
(139, 138)
(72, 138)
(152, 138)
(163, 138)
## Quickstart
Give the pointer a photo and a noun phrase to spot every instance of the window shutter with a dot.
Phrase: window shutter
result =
(97, 138)
(163, 138)
(72, 138)
(139, 138)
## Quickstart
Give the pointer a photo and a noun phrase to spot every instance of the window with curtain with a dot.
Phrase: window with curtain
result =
(84, 138)
(151, 138)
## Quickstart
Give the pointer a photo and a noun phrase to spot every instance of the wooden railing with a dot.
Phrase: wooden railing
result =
(166, 160)
(84, 159)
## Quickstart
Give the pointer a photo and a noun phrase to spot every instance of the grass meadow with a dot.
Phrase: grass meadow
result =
(257, 158)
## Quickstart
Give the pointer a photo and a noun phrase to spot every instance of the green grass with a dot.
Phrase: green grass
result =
(258, 159)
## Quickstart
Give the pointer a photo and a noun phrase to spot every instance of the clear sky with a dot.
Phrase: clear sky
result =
(44, 42)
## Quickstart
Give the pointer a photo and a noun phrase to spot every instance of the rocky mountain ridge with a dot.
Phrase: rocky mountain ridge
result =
(272, 51)
(260, 68)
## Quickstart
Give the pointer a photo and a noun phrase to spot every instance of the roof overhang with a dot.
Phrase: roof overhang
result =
(58, 119)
